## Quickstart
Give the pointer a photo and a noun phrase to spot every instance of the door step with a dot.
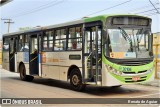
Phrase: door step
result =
(94, 83)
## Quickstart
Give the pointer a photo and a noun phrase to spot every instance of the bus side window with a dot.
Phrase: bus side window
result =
(26, 44)
(45, 47)
(23, 43)
(60, 40)
(34, 45)
(75, 38)
(6, 44)
(20, 47)
(48, 41)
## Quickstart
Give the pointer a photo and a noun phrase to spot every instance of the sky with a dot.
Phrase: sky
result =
(32, 13)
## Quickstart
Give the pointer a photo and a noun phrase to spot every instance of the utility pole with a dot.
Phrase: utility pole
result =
(9, 21)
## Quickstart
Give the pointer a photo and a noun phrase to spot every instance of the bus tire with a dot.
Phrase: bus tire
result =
(117, 86)
(23, 75)
(76, 80)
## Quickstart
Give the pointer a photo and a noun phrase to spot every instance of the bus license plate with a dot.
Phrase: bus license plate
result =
(135, 78)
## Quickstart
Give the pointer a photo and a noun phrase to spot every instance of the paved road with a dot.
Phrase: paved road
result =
(13, 87)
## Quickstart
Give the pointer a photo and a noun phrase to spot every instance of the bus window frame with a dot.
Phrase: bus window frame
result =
(27, 35)
(42, 40)
(8, 37)
(61, 28)
(71, 26)
(67, 37)
(81, 33)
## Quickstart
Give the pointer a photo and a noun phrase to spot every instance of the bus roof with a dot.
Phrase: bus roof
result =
(103, 17)
(83, 20)
(45, 27)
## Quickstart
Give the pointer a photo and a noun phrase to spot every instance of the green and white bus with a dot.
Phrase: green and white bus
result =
(105, 50)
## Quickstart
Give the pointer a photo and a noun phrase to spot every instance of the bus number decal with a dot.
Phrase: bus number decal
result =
(125, 68)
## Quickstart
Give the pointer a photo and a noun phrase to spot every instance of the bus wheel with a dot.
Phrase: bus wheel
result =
(117, 86)
(23, 75)
(76, 80)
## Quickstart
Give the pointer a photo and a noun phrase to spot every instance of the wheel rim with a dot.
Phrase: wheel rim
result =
(75, 80)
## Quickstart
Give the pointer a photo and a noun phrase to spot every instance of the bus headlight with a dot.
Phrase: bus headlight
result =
(150, 70)
(114, 71)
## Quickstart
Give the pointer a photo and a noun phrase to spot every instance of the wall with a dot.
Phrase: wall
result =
(156, 52)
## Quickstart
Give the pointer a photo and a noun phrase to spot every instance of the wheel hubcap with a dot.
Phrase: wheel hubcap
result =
(75, 80)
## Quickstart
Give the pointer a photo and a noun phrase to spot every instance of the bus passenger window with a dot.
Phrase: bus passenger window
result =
(60, 40)
(6, 44)
(75, 39)
(34, 45)
(45, 47)
(26, 44)
(48, 41)
(20, 43)
(23, 43)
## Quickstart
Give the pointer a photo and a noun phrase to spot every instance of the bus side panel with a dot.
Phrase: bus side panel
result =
(65, 62)
(5, 62)
(50, 65)
(55, 65)
(24, 58)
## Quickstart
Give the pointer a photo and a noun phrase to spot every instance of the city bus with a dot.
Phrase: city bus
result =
(104, 50)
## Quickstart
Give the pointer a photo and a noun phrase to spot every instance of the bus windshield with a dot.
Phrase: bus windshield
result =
(129, 43)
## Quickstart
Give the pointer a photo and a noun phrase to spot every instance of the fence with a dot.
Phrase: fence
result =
(156, 52)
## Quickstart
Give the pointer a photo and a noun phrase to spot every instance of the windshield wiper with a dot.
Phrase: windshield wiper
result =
(126, 37)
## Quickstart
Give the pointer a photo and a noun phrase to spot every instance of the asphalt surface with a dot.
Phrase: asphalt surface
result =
(13, 87)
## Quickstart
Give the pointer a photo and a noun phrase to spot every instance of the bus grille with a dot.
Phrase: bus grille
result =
(135, 72)
(129, 80)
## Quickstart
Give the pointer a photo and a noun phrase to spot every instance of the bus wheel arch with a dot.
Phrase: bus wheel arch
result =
(75, 77)
(70, 70)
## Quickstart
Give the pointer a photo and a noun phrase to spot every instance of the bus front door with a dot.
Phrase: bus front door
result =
(12, 54)
(92, 54)
(33, 55)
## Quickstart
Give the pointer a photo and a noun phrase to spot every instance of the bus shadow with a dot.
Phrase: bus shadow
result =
(53, 83)
(92, 90)
(103, 91)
